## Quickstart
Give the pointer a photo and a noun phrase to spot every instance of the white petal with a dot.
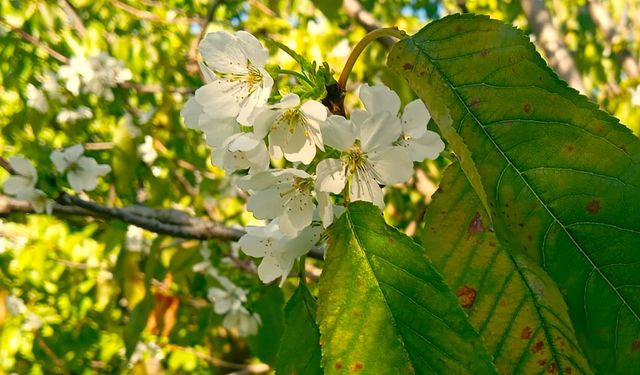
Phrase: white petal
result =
(288, 101)
(415, 119)
(220, 99)
(16, 184)
(259, 158)
(23, 166)
(57, 157)
(255, 244)
(331, 176)
(74, 152)
(325, 208)
(314, 111)
(298, 214)
(191, 113)
(379, 131)
(81, 181)
(244, 142)
(264, 122)
(252, 48)
(391, 165)
(271, 268)
(364, 188)
(299, 148)
(218, 134)
(223, 53)
(358, 117)
(338, 132)
(379, 98)
(266, 204)
(207, 73)
(429, 146)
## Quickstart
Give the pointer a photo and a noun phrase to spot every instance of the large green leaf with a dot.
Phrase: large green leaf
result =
(510, 300)
(561, 176)
(383, 309)
(300, 346)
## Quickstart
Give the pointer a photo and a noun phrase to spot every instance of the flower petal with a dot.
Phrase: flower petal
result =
(299, 147)
(379, 131)
(331, 176)
(220, 99)
(222, 52)
(191, 113)
(391, 165)
(23, 166)
(252, 48)
(271, 268)
(338, 132)
(415, 119)
(267, 204)
(364, 188)
(379, 98)
(57, 157)
(16, 184)
(428, 146)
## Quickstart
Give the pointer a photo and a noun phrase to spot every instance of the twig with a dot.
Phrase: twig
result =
(355, 10)
(73, 15)
(36, 42)
(192, 54)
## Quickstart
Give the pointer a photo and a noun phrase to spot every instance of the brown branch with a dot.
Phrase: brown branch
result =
(163, 221)
(148, 16)
(607, 28)
(551, 41)
(70, 11)
(36, 42)
(356, 11)
(192, 54)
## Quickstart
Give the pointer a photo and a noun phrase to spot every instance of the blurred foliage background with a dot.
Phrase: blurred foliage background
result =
(93, 287)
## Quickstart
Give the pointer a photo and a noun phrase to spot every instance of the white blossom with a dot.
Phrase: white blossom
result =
(239, 85)
(24, 178)
(32, 322)
(228, 298)
(150, 349)
(72, 115)
(278, 252)
(368, 157)
(242, 321)
(36, 99)
(97, 74)
(82, 171)
(217, 131)
(294, 129)
(415, 138)
(15, 305)
(285, 193)
(136, 241)
(50, 82)
(147, 151)
(38, 199)
(241, 151)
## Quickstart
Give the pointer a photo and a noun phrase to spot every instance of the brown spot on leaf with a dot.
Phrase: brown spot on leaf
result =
(458, 28)
(542, 362)
(635, 345)
(569, 148)
(527, 108)
(526, 333)
(553, 368)
(492, 244)
(594, 206)
(466, 296)
(484, 52)
(537, 347)
(568, 369)
(475, 102)
(391, 240)
(357, 367)
(476, 226)
(407, 66)
(356, 314)
(338, 365)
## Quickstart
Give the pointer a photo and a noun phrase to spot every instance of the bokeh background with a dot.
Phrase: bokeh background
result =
(81, 277)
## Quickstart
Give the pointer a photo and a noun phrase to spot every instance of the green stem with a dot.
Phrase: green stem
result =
(295, 74)
(357, 50)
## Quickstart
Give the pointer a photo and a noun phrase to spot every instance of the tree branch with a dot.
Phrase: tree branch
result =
(73, 16)
(36, 42)
(551, 41)
(356, 11)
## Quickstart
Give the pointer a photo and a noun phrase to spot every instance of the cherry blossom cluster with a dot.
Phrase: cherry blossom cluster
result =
(328, 158)
(97, 74)
(229, 299)
(82, 174)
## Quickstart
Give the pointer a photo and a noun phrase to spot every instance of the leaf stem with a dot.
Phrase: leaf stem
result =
(362, 44)
(295, 74)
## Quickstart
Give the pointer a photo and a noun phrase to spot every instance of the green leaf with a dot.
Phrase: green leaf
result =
(299, 351)
(269, 306)
(562, 177)
(510, 300)
(383, 308)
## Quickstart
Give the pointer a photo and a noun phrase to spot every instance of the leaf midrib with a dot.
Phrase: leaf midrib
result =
(535, 194)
